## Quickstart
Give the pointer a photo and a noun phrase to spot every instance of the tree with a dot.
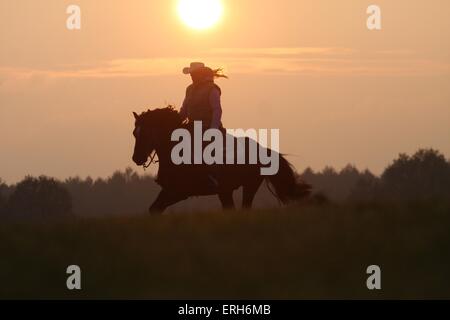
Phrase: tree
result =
(37, 198)
(422, 176)
(3, 196)
(338, 186)
(2, 204)
(365, 189)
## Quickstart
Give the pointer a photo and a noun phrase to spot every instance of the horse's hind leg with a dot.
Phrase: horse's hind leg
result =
(164, 199)
(249, 191)
(226, 198)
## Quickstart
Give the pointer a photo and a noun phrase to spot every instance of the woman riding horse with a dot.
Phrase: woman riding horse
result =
(202, 101)
(153, 130)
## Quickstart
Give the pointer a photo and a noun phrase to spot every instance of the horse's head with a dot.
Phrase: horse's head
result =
(143, 145)
(151, 129)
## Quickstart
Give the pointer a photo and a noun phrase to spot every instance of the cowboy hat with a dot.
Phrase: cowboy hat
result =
(193, 67)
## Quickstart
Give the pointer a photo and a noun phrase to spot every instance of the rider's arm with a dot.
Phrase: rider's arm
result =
(214, 99)
(183, 111)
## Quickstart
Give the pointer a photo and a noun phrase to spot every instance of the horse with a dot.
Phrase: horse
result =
(152, 132)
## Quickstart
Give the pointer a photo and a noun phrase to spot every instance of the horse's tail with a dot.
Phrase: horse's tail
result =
(287, 187)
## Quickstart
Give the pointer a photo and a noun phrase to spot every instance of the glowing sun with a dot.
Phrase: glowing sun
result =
(200, 14)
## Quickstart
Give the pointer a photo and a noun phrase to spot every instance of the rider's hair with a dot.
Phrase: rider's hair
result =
(218, 73)
(207, 72)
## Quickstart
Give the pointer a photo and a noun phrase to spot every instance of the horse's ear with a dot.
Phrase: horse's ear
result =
(135, 115)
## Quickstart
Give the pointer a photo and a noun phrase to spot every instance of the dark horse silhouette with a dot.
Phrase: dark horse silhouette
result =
(153, 130)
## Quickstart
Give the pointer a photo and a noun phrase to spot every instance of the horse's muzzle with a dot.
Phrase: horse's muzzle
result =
(139, 160)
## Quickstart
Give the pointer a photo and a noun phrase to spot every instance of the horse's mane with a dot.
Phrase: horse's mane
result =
(167, 116)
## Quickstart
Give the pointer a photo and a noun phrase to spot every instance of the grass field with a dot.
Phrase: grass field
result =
(308, 252)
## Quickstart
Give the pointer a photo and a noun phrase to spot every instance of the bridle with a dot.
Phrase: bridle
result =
(152, 160)
(152, 155)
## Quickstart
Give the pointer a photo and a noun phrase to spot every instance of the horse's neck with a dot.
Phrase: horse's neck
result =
(163, 156)
(164, 149)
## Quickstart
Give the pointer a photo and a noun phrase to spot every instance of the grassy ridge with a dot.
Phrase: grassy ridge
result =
(311, 252)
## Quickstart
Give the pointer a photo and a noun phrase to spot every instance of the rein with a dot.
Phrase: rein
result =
(152, 157)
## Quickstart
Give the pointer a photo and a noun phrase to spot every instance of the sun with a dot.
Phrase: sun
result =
(200, 14)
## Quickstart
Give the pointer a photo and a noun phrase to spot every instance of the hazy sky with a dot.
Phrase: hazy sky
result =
(338, 92)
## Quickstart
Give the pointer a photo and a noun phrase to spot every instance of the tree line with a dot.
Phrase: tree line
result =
(421, 177)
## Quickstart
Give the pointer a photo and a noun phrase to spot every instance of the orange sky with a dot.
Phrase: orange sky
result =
(338, 92)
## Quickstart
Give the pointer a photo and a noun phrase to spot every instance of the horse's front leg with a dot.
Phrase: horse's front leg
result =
(163, 200)
(226, 198)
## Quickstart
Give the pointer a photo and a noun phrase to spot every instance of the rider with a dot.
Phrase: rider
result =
(202, 101)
